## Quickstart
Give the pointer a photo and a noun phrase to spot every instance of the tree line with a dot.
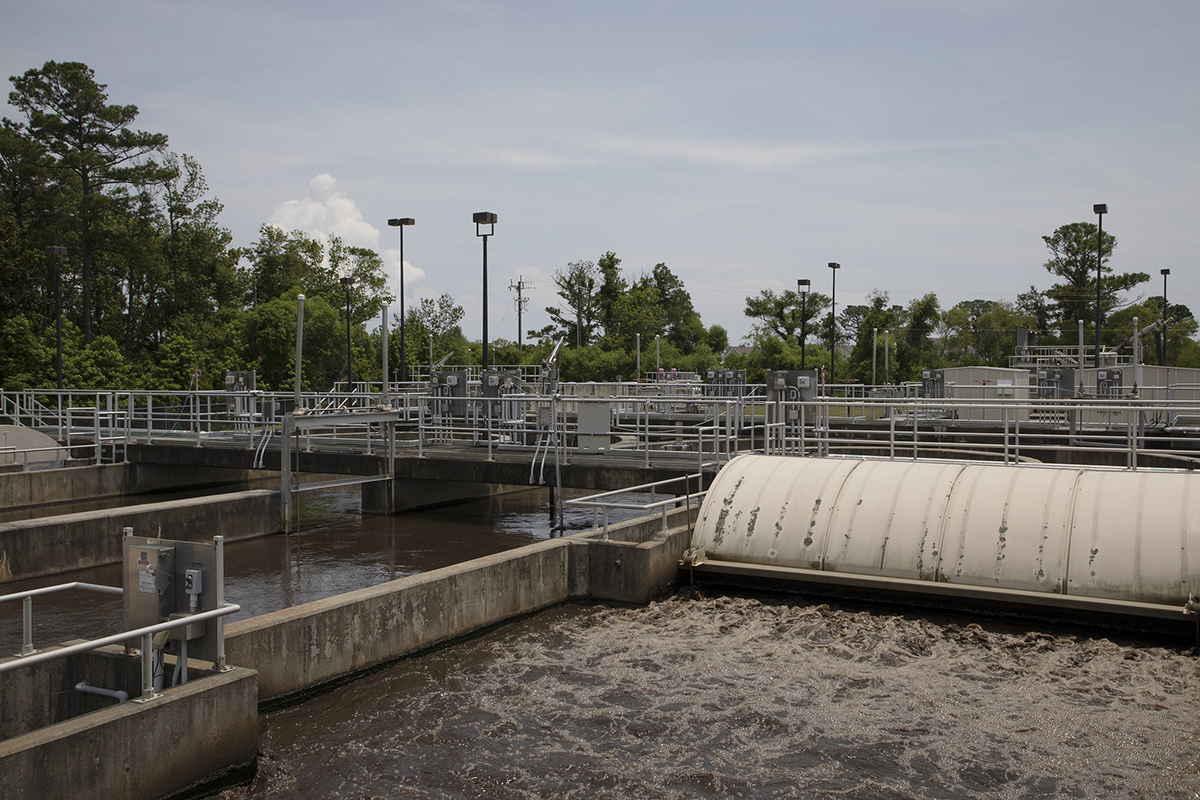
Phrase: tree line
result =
(155, 295)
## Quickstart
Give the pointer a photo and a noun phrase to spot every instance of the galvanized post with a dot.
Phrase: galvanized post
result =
(285, 469)
(148, 666)
(27, 633)
(219, 544)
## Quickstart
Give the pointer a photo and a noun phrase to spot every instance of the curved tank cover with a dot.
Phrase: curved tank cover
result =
(1093, 533)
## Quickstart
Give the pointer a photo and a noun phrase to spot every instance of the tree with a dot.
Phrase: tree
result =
(781, 313)
(1073, 259)
(577, 287)
(68, 114)
(612, 286)
(439, 318)
(683, 326)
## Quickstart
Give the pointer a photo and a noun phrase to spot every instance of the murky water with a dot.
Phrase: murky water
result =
(706, 695)
(337, 550)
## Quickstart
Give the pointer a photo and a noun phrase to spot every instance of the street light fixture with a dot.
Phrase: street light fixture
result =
(401, 223)
(802, 286)
(1099, 209)
(346, 284)
(1164, 273)
(833, 322)
(57, 253)
(481, 218)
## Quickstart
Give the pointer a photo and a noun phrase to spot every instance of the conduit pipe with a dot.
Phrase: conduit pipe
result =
(1047, 532)
(87, 688)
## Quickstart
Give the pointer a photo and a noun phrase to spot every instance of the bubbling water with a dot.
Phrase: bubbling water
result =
(713, 695)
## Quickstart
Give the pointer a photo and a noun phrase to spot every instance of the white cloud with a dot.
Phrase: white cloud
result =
(325, 213)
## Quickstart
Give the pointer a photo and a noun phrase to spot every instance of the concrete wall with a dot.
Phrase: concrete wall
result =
(307, 645)
(138, 750)
(39, 487)
(20, 489)
(302, 647)
(35, 547)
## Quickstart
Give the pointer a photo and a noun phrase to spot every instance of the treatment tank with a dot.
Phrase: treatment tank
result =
(1132, 537)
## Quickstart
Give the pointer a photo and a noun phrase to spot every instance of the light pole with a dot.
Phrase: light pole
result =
(802, 286)
(346, 284)
(401, 223)
(489, 219)
(1164, 273)
(833, 322)
(1100, 209)
(57, 254)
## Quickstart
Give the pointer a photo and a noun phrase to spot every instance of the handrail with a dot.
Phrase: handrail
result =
(27, 611)
(145, 633)
(666, 504)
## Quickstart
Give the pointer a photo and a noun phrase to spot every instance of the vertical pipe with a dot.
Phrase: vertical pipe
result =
(403, 350)
(219, 544)
(299, 343)
(638, 375)
(387, 389)
(485, 306)
(148, 666)
(1082, 356)
(27, 631)
(1099, 262)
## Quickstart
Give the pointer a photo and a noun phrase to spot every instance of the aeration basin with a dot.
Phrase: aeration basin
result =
(1086, 539)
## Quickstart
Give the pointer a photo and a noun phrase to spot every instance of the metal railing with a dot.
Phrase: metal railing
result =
(646, 427)
(146, 634)
(26, 599)
(603, 502)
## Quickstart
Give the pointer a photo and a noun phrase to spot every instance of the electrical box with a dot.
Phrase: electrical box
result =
(1055, 383)
(791, 385)
(149, 590)
(167, 580)
(1109, 382)
(933, 383)
(450, 384)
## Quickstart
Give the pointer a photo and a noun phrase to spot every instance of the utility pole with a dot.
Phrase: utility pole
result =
(521, 302)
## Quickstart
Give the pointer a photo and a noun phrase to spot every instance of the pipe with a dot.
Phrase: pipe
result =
(115, 694)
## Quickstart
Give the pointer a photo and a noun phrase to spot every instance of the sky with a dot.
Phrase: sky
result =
(925, 145)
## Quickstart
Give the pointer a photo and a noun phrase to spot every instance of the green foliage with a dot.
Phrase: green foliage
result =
(1073, 259)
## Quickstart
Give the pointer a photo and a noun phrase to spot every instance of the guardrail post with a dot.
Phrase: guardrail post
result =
(27, 633)
(147, 667)
(219, 544)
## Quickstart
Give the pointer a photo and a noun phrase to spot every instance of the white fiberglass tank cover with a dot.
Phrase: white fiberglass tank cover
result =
(1055, 530)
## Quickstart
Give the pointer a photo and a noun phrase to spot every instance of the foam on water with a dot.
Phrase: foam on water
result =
(708, 695)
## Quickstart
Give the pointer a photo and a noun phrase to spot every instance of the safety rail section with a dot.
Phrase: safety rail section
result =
(895, 422)
(29, 656)
(603, 502)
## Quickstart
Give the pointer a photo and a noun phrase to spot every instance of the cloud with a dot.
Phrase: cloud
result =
(746, 155)
(325, 213)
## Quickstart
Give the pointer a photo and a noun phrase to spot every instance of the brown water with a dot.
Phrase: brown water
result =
(706, 695)
(338, 549)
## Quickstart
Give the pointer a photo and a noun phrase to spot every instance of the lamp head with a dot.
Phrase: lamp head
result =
(1164, 272)
(1100, 208)
(802, 285)
(347, 282)
(484, 218)
(834, 265)
(396, 223)
(56, 251)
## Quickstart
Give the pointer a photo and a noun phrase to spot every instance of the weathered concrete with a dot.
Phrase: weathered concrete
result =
(136, 750)
(44, 694)
(302, 647)
(307, 645)
(21, 489)
(51, 545)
